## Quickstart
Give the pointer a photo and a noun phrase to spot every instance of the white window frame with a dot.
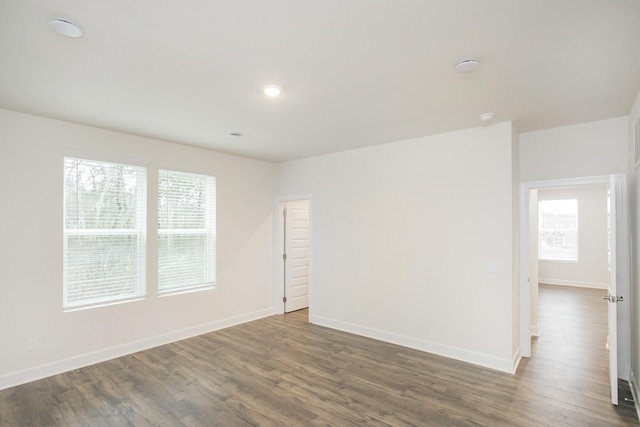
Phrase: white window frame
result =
(209, 232)
(139, 232)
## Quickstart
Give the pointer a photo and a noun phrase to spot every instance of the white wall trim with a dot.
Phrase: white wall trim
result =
(517, 357)
(32, 374)
(525, 286)
(635, 392)
(484, 360)
(574, 283)
(567, 182)
(535, 330)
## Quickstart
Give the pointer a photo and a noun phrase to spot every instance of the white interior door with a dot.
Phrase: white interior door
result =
(296, 255)
(612, 298)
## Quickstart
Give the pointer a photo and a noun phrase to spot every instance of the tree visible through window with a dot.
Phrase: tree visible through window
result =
(186, 231)
(104, 232)
(558, 230)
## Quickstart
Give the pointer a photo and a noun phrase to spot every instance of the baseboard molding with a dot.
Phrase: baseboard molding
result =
(484, 360)
(535, 330)
(32, 374)
(577, 284)
(517, 357)
(635, 392)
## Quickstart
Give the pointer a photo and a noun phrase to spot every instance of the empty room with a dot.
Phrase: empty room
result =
(318, 213)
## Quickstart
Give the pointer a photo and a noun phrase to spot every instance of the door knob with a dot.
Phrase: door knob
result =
(613, 298)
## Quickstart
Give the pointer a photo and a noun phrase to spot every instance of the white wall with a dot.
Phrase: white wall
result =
(31, 153)
(634, 295)
(592, 268)
(402, 237)
(588, 149)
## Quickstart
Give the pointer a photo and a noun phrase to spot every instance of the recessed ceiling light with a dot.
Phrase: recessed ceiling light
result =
(65, 27)
(272, 90)
(467, 65)
(486, 117)
(235, 134)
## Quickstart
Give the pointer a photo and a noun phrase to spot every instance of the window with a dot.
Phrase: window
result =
(186, 231)
(558, 230)
(104, 232)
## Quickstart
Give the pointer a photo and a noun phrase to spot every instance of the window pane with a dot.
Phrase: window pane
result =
(101, 268)
(181, 200)
(186, 228)
(181, 260)
(558, 230)
(100, 195)
(105, 225)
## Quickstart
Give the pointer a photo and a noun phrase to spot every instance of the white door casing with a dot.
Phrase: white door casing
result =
(533, 262)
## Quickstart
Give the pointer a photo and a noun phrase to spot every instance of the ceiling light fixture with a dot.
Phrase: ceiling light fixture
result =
(65, 27)
(467, 65)
(486, 117)
(272, 90)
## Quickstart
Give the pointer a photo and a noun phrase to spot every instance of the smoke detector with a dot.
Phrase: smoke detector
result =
(486, 117)
(65, 27)
(467, 65)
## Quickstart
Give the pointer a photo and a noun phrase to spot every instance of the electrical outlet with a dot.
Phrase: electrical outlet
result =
(33, 344)
(492, 267)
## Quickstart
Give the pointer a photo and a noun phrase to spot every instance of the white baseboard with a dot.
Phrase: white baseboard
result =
(577, 284)
(517, 357)
(487, 361)
(635, 391)
(535, 330)
(76, 362)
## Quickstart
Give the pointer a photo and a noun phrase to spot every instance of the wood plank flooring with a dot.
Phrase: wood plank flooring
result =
(283, 371)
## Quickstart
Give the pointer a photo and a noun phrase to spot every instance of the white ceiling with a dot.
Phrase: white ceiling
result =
(354, 72)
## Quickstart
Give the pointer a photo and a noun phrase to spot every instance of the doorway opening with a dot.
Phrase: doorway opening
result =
(618, 266)
(295, 250)
(569, 240)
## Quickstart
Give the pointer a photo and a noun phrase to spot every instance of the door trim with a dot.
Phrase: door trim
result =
(622, 260)
(278, 250)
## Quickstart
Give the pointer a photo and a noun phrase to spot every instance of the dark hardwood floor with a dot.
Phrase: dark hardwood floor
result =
(283, 371)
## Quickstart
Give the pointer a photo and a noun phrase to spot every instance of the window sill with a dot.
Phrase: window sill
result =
(201, 288)
(102, 304)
